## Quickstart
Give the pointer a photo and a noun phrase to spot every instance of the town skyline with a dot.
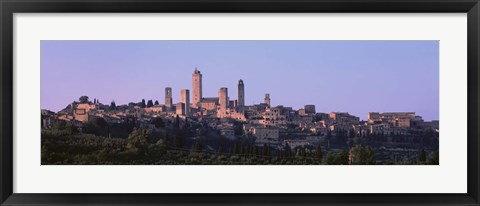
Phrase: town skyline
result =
(186, 95)
(203, 126)
(331, 98)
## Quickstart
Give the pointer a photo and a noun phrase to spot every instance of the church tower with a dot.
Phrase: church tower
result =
(241, 94)
(196, 87)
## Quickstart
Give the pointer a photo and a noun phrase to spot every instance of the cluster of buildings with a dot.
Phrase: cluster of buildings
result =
(267, 123)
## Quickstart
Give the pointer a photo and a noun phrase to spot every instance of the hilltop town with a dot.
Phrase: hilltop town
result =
(394, 137)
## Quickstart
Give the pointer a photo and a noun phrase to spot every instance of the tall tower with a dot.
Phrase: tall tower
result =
(185, 99)
(267, 99)
(196, 87)
(241, 94)
(223, 98)
(168, 97)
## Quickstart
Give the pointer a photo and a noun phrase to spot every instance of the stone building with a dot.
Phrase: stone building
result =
(48, 117)
(223, 98)
(208, 103)
(267, 99)
(81, 111)
(86, 106)
(361, 129)
(395, 119)
(274, 116)
(302, 112)
(155, 109)
(185, 99)
(402, 122)
(81, 114)
(180, 108)
(241, 94)
(344, 118)
(168, 97)
(434, 124)
(196, 87)
(310, 109)
(263, 132)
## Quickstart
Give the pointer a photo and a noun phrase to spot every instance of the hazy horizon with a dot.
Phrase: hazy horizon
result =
(336, 76)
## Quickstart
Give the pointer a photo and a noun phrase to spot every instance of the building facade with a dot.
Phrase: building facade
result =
(266, 132)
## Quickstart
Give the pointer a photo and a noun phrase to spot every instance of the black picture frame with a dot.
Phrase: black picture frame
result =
(9, 7)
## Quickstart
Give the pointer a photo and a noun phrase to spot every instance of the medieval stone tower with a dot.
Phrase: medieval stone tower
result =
(267, 99)
(196, 87)
(185, 99)
(241, 93)
(223, 98)
(168, 97)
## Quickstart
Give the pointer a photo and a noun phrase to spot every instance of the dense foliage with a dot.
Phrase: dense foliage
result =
(172, 143)
(65, 147)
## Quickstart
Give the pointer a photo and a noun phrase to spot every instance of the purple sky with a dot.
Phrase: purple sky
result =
(345, 76)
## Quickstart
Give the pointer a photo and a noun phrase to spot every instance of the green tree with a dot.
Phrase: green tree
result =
(113, 106)
(165, 139)
(178, 140)
(176, 122)
(158, 122)
(161, 146)
(235, 149)
(254, 151)
(360, 155)
(59, 125)
(351, 133)
(288, 151)
(62, 126)
(138, 138)
(369, 155)
(246, 150)
(156, 102)
(97, 126)
(265, 150)
(238, 128)
(198, 147)
(340, 158)
(150, 103)
(220, 150)
(357, 155)
(83, 99)
(433, 158)
(318, 153)
(422, 156)
(143, 104)
(330, 159)
(269, 153)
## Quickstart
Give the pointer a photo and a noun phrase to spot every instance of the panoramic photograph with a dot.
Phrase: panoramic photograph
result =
(239, 102)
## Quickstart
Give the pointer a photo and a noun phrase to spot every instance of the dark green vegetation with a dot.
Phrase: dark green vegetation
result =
(168, 143)
(141, 147)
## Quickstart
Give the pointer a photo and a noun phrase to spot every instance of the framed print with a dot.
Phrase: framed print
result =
(263, 102)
